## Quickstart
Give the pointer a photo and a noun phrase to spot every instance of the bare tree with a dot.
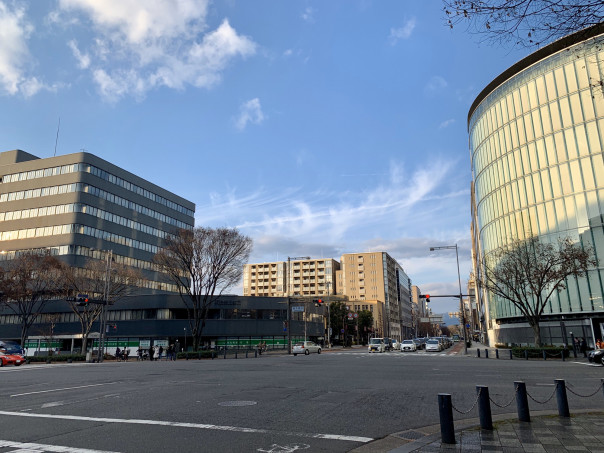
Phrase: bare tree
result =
(203, 263)
(529, 272)
(94, 279)
(27, 283)
(527, 23)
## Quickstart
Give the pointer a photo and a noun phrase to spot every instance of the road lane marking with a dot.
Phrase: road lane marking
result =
(192, 425)
(28, 446)
(60, 390)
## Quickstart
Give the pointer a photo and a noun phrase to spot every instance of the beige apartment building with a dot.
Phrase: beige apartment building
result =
(299, 277)
(378, 276)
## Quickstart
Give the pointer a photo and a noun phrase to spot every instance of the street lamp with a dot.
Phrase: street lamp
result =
(185, 329)
(463, 312)
(103, 321)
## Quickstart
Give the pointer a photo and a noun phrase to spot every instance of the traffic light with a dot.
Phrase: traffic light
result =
(427, 297)
(318, 302)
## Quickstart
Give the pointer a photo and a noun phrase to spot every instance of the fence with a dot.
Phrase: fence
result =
(527, 354)
(483, 401)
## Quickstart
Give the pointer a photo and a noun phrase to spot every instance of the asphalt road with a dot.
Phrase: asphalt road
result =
(332, 402)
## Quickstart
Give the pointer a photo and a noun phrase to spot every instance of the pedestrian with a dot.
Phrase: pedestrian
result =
(126, 354)
(139, 354)
(171, 352)
(161, 351)
(118, 353)
(584, 347)
(599, 344)
(151, 351)
(156, 353)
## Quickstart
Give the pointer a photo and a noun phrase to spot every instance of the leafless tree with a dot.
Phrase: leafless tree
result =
(203, 263)
(93, 280)
(27, 283)
(527, 23)
(529, 272)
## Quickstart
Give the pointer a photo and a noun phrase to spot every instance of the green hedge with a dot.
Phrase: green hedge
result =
(57, 358)
(551, 352)
(196, 355)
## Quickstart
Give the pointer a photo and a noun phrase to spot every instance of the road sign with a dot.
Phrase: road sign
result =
(356, 315)
(298, 308)
(467, 326)
(349, 315)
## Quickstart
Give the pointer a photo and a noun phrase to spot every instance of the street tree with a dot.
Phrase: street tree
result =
(365, 324)
(203, 263)
(527, 23)
(337, 318)
(529, 272)
(27, 283)
(102, 281)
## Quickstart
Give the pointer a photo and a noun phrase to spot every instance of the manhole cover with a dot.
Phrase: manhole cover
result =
(410, 435)
(237, 403)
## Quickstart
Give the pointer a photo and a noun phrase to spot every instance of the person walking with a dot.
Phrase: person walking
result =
(584, 347)
(156, 353)
(151, 351)
(161, 351)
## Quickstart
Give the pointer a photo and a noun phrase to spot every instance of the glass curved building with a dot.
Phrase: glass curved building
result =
(536, 137)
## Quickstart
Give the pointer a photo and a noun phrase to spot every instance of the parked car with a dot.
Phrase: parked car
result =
(408, 345)
(596, 356)
(377, 345)
(306, 347)
(11, 359)
(434, 345)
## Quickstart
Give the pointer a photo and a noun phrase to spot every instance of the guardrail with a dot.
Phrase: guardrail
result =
(483, 401)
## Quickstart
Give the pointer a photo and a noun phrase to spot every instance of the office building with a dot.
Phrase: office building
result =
(536, 142)
(79, 206)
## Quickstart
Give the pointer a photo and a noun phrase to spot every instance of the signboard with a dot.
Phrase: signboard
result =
(297, 308)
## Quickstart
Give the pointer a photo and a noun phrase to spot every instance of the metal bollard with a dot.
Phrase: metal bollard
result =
(511, 355)
(496, 353)
(544, 355)
(484, 407)
(445, 410)
(522, 402)
(235, 353)
(478, 353)
(561, 397)
(212, 355)
(563, 356)
(486, 353)
(246, 354)
(255, 353)
(225, 352)
(526, 354)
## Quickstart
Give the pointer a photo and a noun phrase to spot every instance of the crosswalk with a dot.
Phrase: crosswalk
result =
(397, 355)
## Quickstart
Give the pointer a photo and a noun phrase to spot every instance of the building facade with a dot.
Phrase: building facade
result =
(79, 206)
(536, 137)
(297, 277)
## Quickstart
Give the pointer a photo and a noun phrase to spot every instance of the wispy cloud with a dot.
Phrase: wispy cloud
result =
(249, 112)
(309, 14)
(403, 32)
(435, 85)
(140, 46)
(446, 123)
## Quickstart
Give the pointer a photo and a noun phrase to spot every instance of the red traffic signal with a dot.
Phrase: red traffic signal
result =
(427, 297)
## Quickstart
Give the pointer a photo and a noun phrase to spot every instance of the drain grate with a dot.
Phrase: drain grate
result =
(410, 435)
(237, 403)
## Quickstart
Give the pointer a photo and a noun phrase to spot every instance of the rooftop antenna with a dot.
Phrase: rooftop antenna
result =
(57, 139)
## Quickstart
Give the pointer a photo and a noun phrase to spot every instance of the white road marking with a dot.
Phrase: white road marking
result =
(28, 446)
(190, 425)
(60, 390)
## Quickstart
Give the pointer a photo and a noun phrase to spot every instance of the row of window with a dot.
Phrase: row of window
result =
(83, 167)
(57, 230)
(552, 151)
(554, 77)
(84, 209)
(86, 188)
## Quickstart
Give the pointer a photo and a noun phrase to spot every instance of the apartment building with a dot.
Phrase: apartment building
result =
(298, 277)
(79, 206)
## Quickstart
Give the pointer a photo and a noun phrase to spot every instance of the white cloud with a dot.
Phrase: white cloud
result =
(403, 32)
(446, 123)
(249, 112)
(14, 54)
(288, 53)
(309, 14)
(138, 46)
(436, 84)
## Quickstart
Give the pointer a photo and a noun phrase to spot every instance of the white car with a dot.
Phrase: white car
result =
(306, 347)
(396, 346)
(408, 345)
(433, 345)
(377, 345)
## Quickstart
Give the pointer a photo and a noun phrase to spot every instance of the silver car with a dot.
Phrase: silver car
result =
(433, 345)
(306, 347)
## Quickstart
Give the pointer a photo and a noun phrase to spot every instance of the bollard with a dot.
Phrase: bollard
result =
(235, 353)
(496, 353)
(544, 356)
(563, 355)
(478, 353)
(522, 402)
(225, 352)
(445, 410)
(255, 353)
(246, 354)
(212, 355)
(486, 353)
(511, 355)
(526, 354)
(602, 382)
(561, 397)
(484, 407)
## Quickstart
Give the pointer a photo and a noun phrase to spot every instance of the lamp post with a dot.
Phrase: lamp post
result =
(461, 307)
(185, 329)
(103, 321)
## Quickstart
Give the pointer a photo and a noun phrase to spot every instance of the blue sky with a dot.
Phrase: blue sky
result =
(317, 128)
